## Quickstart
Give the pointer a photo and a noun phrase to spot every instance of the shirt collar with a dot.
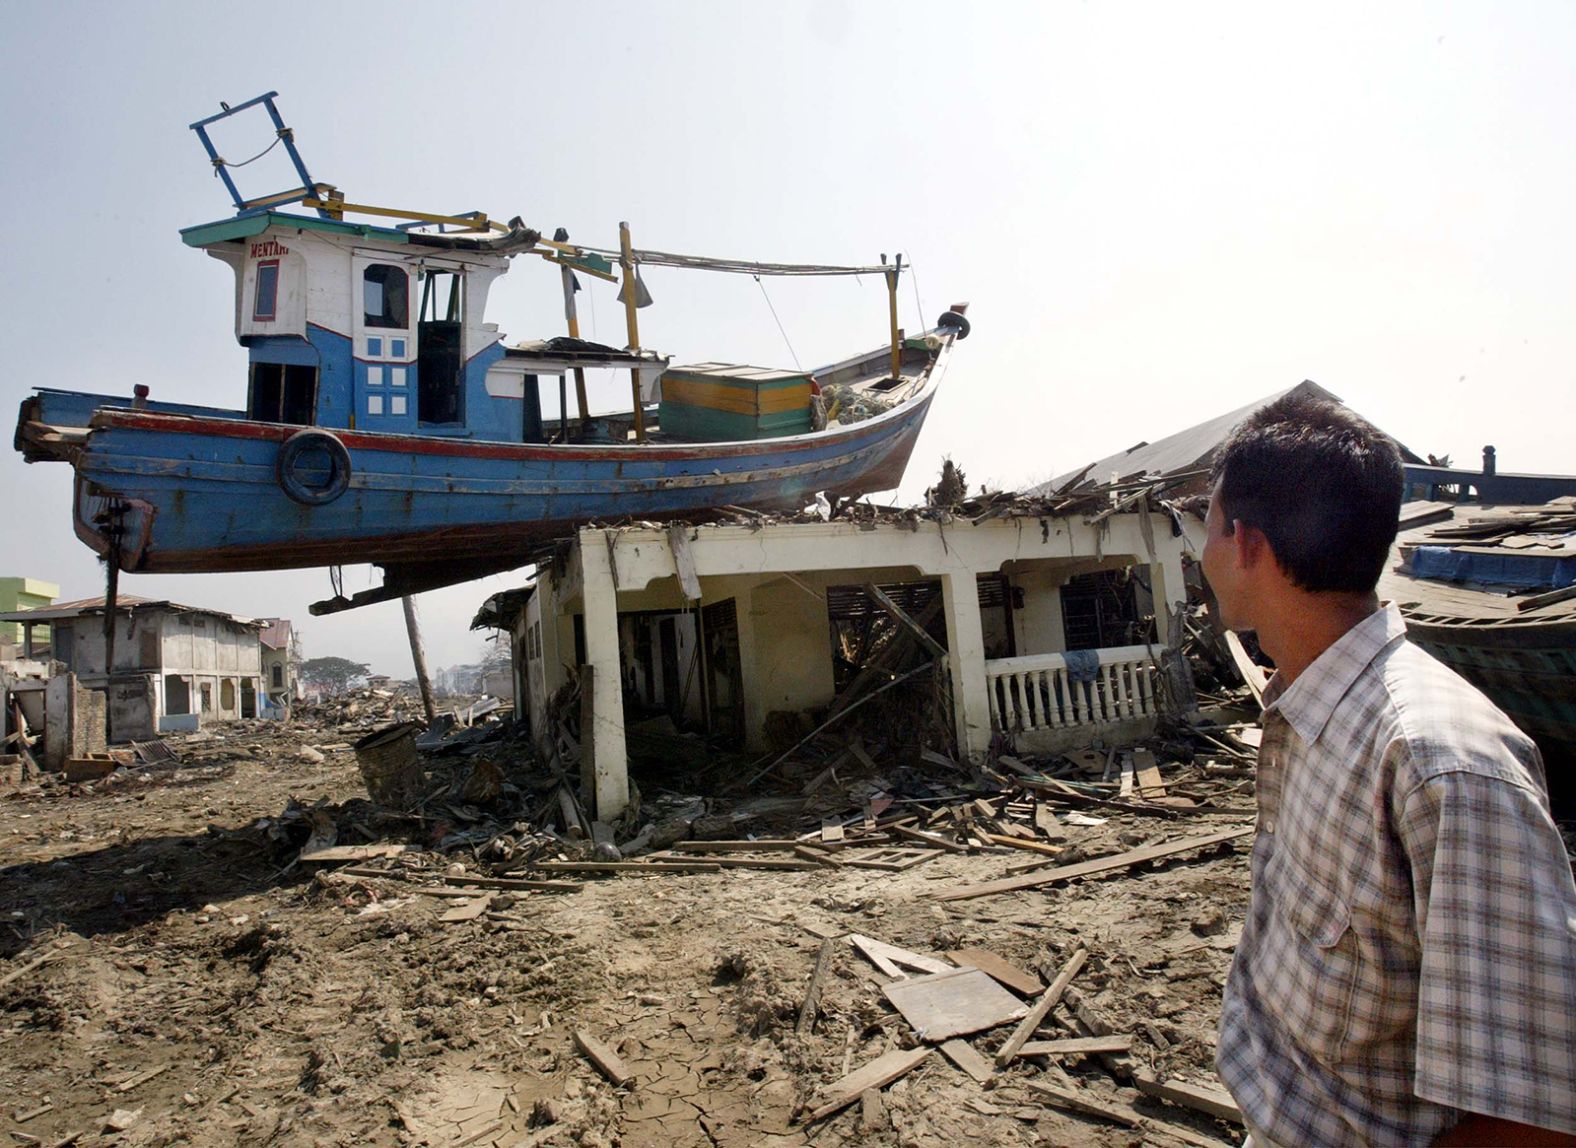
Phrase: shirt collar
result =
(1308, 702)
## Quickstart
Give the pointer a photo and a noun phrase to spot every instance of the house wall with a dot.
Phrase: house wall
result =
(790, 663)
(1038, 625)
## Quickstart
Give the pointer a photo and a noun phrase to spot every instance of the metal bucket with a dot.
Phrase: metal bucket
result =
(390, 766)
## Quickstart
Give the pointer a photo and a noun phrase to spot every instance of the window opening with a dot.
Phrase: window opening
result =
(1100, 610)
(266, 298)
(385, 296)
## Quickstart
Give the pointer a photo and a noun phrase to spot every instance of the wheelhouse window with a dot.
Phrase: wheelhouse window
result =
(266, 300)
(385, 293)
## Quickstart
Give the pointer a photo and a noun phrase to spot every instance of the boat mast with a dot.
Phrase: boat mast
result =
(626, 260)
(572, 316)
(897, 336)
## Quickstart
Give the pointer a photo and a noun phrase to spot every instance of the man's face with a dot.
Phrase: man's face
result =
(1220, 564)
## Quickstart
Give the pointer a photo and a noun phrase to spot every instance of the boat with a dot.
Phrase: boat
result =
(1491, 592)
(387, 422)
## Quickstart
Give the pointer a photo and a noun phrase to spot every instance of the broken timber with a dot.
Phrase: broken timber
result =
(1214, 1101)
(879, 1073)
(1088, 868)
(1003, 971)
(953, 1003)
(812, 996)
(1065, 1098)
(607, 1062)
(1042, 1008)
(1078, 1045)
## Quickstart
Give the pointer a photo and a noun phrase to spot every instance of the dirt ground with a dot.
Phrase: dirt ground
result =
(200, 986)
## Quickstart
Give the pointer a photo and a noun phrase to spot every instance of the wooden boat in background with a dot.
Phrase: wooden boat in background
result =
(387, 422)
(1489, 591)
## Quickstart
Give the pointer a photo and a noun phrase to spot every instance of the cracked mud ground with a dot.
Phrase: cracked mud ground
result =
(198, 988)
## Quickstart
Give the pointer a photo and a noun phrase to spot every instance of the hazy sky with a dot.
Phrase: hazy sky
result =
(1157, 212)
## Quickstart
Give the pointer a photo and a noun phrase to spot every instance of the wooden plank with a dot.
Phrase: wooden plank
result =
(879, 1073)
(874, 957)
(675, 866)
(39, 962)
(1078, 1045)
(468, 910)
(1077, 1102)
(684, 559)
(1024, 844)
(743, 846)
(1214, 1101)
(819, 856)
(812, 995)
(831, 833)
(1089, 868)
(1004, 971)
(931, 839)
(607, 1062)
(955, 1003)
(1045, 821)
(1150, 785)
(892, 859)
(722, 861)
(1093, 1022)
(857, 748)
(963, 1054)
(443, 891)
(568, 807)
(358, 852)
(894, 955)
(516, 883)
(1538, 601)
(1042, 1008)
(1252, 673)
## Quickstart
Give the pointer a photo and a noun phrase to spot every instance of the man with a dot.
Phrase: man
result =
(1407, 971)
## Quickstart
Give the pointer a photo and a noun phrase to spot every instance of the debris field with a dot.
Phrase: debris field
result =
(233, 944)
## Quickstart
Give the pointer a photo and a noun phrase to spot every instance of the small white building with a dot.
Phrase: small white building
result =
(174, 667)
(735, 623)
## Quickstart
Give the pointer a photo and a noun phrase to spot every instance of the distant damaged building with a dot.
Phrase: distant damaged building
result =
(174, 666)
(1043, 621)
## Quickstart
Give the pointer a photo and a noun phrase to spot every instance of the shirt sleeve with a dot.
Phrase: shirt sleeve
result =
(1496, 917)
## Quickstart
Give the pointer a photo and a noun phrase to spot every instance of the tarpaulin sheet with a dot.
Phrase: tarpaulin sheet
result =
(1523, 571)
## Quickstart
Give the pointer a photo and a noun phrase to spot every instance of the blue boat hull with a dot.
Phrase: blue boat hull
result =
(202, 492)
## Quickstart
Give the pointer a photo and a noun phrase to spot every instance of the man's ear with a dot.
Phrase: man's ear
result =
(1251, 545)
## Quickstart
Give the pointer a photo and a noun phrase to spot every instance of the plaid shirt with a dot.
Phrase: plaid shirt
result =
(1410, 947)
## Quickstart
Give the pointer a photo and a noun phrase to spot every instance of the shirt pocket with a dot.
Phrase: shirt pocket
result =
(1319, 969)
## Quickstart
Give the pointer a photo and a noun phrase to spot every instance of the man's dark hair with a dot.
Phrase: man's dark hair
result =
(1322, 484)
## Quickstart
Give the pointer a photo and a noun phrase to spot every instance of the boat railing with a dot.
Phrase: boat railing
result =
(1041, 691)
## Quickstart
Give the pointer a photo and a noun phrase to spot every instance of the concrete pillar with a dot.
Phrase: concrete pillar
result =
(966, 660)
(1168, 588)
(608, 758)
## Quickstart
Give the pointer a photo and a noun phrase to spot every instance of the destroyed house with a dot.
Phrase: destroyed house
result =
(1043, 625)
(175, 666)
